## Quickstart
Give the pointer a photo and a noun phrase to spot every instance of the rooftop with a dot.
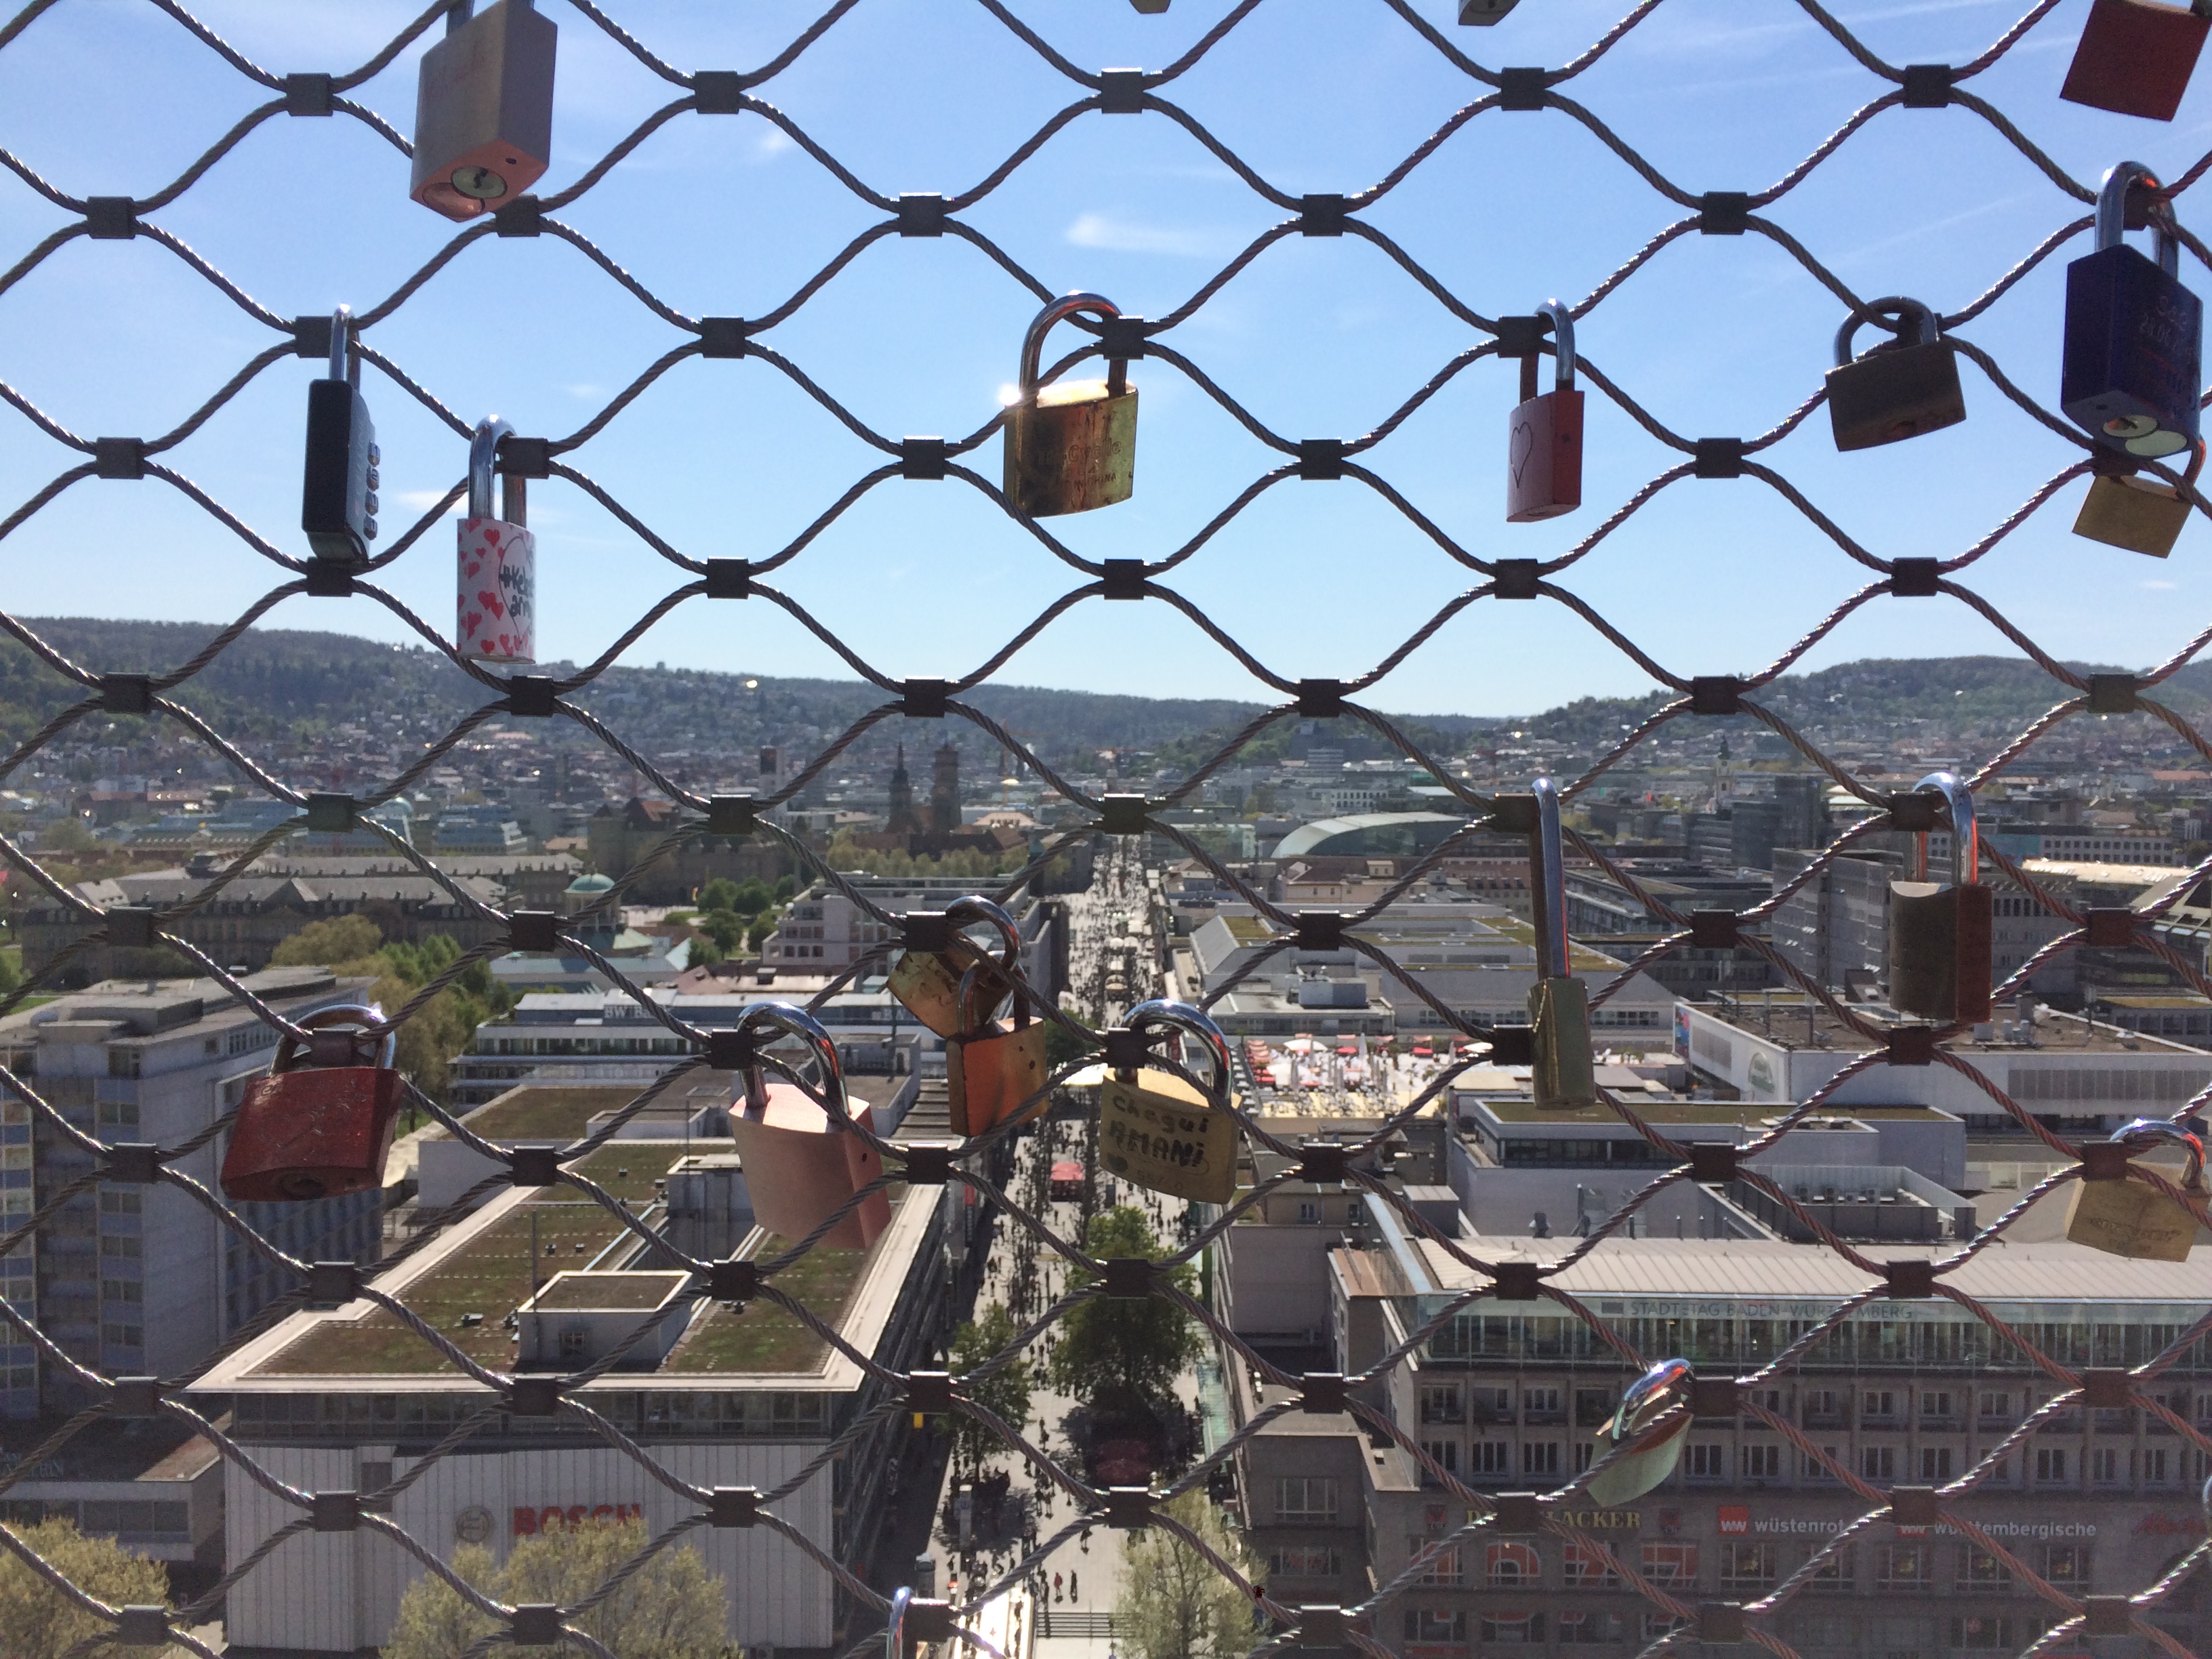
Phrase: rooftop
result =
(1790, 1020)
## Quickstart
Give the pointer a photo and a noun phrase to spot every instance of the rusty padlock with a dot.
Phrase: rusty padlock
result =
(1903, 387)
(991, 1068)
(318, 1130)
(2135, 57)
(1939, 938)
(495, 575)
(1159, 1131)
(2113, 1212)
(1649, 1453)
(483, 109)
(802, 1156)
(2141, 515)
(1071, 446)
(1562, 1068)
(1544, 433)
(939, 954)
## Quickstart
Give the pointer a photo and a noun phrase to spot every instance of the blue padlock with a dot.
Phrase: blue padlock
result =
(2133, 334)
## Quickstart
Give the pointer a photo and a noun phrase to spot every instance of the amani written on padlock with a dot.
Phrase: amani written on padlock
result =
(1905, 386)
(2133, 334)
(1940, 940)
(1160, 1131)
(483, 109)
(1071, 446)
(928, 977)
(1544, 433)
(1650, 1449)
(1562, 1068)
(994, 1068)
(802, 1156)
(495, 571)
(2114, 1210)
(2135, 57)
(2141, 515)
(320, 1129)
(337, 499)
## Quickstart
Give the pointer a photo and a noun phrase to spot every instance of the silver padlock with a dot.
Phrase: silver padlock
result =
(1564, 1071)
(1648, 1455)
(483, 109)
(496, 572)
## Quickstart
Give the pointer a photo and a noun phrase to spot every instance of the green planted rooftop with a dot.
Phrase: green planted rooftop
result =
(762, 1337)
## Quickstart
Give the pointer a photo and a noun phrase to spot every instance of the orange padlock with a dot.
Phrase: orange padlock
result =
(939, 953)
(2135, 57)
(1544, 437)
(802, 1156)
(321, 1130)
(992, 1069)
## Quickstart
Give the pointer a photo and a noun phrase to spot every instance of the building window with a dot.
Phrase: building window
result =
(1443, 1568)
(2050, 1465)
(1305, 1561)
(1671, 1562)
(572, 1343)
(2105, 1464)
(1747, 1566)
(1984, 1634)
(123, 1062)
(1541, 1404)
(1979, 1570)
(117, 1200)
(1762, 1462)
(2154, 1466)
(1901, 1566)
(1488, 1458)
(1878, 1405)
(1540, 1457)
(1708, 1460)
(1444, 1454)
(1435, 1625)
(1935, 1464)
(2067, 1565)
(1878, 1462)
(1936, 1404)
(1821, 1470)
(1512, 1629)
(1305, 1497)
(1587, 1629)
(1588, 1567)
(1511, 1567)
(1831, 1570)
(1441, 1405)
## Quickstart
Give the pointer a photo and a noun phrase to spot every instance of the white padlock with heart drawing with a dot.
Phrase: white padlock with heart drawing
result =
(495, 584)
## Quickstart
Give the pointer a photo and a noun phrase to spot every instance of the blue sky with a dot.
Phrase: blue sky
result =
(725, 215)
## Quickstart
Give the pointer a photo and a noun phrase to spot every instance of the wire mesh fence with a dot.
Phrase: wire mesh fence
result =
(560, 1399)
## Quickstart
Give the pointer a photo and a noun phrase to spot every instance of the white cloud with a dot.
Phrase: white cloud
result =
(1102, 230)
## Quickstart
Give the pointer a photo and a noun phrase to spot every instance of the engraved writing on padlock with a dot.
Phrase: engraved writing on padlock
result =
(1899, 390)
(1071, 446)
(1651, 1453)
(1940, 934)
(1544, 433)
(993, 1070)
(483, 109)
(928, 982)
(320, 1130)
(1563, 1070)
(2143, 515)
(2135, 57)
(2124, 1216)
(2133, 334)
(1162, 1133)
(337, 499)
(799, 1165)
(495, 570)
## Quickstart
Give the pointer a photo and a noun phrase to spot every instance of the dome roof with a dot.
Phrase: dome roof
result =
(593, 884)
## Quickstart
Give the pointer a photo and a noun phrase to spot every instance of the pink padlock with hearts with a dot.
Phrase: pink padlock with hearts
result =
(495, 580)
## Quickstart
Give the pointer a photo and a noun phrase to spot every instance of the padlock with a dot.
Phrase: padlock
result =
(1902, 388)
(2135, 57)
(2133, 334)
(992, 1071)
(1940, 934)
(483, 109)
(338, 504)
(322, 1129)
(1071, 446)
(1544, 434)
(928, 982)
(495, 576)
(2143, 516)
(2123, 1216)
(1483, 13)
(803, 1157)
(1161, 1132)
(1562, 1068)
(1651, 1452)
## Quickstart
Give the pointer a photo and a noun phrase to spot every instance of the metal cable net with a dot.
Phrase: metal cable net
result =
(707, 93)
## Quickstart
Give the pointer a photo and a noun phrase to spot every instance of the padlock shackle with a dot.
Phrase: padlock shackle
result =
(1875, 311)
(345, 363)
(2144, 1130)
(1550, 874)
(788, 1019)
(969, 981)
(484, 462)
(964, 912)
(1182, 1017)
(894, 1631)
(1966, 837)
(1033, 342)
(1563, 342)
(2112, 213)
(357, 1015)
(1668, 1376)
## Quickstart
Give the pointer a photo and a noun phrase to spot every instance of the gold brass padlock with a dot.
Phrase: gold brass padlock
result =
(2116, 1212)
(1650, 1453)
(1563, 1069)
(938, 954)
(992, 1069)
(1158, 1131)
(1071, 446)
(1940, 934)
(2140, 515)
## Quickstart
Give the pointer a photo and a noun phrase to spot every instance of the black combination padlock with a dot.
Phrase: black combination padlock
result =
(1940, 932)
(337, 506)
(2133, 334)
(1902, 388)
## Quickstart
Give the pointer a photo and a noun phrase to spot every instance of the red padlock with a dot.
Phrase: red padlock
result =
(321, 1130)
(1544, 437)
(801, 1162)
(2135, 57)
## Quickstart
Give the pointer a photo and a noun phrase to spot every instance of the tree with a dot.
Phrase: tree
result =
(1119, 1346)
(671, 1609)
(1005, 1391)
(1174, 1603)
(326, 943)
(36, 1621)
(725, 927)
